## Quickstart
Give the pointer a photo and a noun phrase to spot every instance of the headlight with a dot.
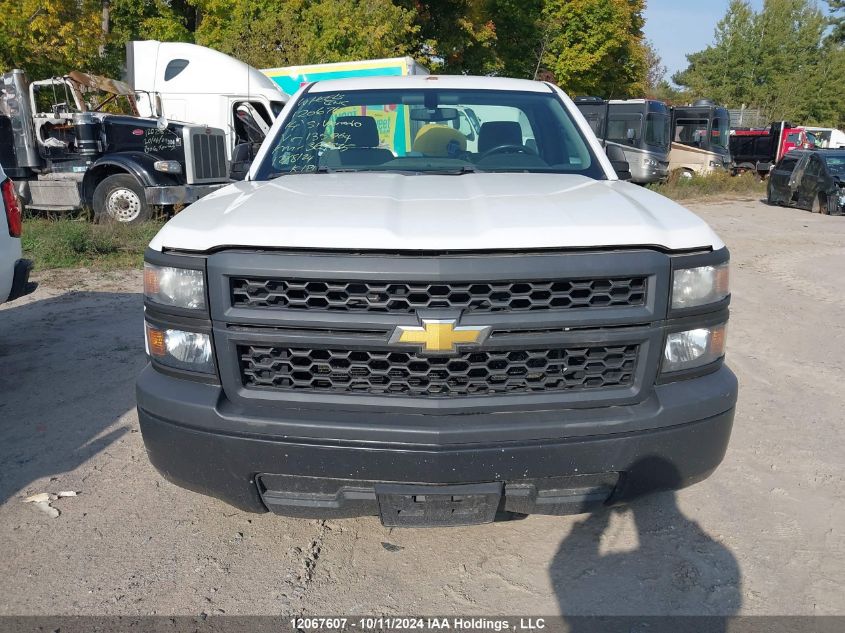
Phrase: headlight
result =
(180, 349)
(177, 287)
(649, 162)
(698, 286)
(168, 166)
(694, 348)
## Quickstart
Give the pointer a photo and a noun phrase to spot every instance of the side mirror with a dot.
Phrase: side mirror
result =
(242, 156)
(619, 162)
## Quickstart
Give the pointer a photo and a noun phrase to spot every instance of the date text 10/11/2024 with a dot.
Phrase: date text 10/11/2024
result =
(420, 624)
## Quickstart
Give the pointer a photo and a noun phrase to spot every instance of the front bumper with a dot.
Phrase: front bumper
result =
(179, 194)
(21, 285)
(306, 464)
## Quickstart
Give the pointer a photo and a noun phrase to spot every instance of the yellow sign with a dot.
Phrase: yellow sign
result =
(440, 335)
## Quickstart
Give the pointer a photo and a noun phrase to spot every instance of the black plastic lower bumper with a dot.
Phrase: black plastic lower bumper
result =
(21, 285)
(324, 478)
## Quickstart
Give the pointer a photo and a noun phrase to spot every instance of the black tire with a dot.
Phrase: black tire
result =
(120, 198)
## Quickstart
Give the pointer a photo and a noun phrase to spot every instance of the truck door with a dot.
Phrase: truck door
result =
(797, 178)
(808, 188)
(251, 122)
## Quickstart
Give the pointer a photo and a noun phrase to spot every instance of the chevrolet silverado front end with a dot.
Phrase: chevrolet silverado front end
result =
(410, 321)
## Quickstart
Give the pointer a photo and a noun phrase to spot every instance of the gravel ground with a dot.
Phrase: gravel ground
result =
(764, 535)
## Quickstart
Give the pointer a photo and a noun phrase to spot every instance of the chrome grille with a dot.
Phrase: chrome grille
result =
(208, 156)
(407, 298)
(384, 372)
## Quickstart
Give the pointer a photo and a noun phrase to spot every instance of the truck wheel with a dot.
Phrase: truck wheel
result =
(119, 198)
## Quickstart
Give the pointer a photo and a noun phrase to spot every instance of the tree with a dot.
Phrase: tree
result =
(726, 71)
(516, 23)
(655, 70)
(594, 46)
(267, 33)
(778, 59)
(127, 20)
(453, 36)
(48, 37)
(837, 20)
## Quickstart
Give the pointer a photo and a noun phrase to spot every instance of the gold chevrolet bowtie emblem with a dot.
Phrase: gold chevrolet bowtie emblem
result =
(440, 336)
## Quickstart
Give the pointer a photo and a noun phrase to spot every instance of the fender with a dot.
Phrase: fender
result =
(137, 164)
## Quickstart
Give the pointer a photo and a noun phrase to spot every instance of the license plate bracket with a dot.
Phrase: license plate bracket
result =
(420, 505)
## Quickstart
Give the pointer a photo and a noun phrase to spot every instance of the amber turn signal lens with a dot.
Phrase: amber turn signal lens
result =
(718, 338)
(155, 342)
(151, 286)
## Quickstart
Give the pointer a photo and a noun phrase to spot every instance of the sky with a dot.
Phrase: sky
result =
(679, 27)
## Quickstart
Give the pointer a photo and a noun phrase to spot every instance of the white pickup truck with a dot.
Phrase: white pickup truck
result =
(430, 334)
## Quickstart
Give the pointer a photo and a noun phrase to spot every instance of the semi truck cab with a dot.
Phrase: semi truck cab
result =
(65, 154)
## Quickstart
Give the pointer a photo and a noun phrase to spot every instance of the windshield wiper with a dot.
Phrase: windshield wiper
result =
(458, 171)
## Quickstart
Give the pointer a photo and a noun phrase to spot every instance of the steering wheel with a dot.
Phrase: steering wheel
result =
(509, 148)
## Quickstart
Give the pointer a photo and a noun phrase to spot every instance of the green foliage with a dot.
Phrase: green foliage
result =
(453, 36)
(588, 46)
(595, 46)
(71, 243)
(778, 59)
(267, 33)
(518, 24)
(141, 20)
(837, 20)
(49, 37)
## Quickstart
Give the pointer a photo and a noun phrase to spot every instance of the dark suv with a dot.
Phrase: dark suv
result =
(809, 179)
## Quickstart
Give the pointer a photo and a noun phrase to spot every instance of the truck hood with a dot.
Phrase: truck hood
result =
(389, 211)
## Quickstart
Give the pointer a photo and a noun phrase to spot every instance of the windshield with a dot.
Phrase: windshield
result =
(625, 128)
(694, 132)
(429, 131)
(720, 134)
(691, 132)
(657, 130)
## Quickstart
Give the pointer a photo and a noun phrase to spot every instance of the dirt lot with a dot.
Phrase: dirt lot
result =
(764, 535)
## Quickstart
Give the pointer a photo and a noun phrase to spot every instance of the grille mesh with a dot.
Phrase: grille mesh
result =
(406, 298)
(407, 373)
(209, 156)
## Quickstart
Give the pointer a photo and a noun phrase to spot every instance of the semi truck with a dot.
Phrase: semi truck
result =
(700, 133)
(187, 82)
(639, 126)
(65, 152)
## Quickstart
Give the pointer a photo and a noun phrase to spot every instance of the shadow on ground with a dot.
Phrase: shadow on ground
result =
(671, 566)
(67, 371)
